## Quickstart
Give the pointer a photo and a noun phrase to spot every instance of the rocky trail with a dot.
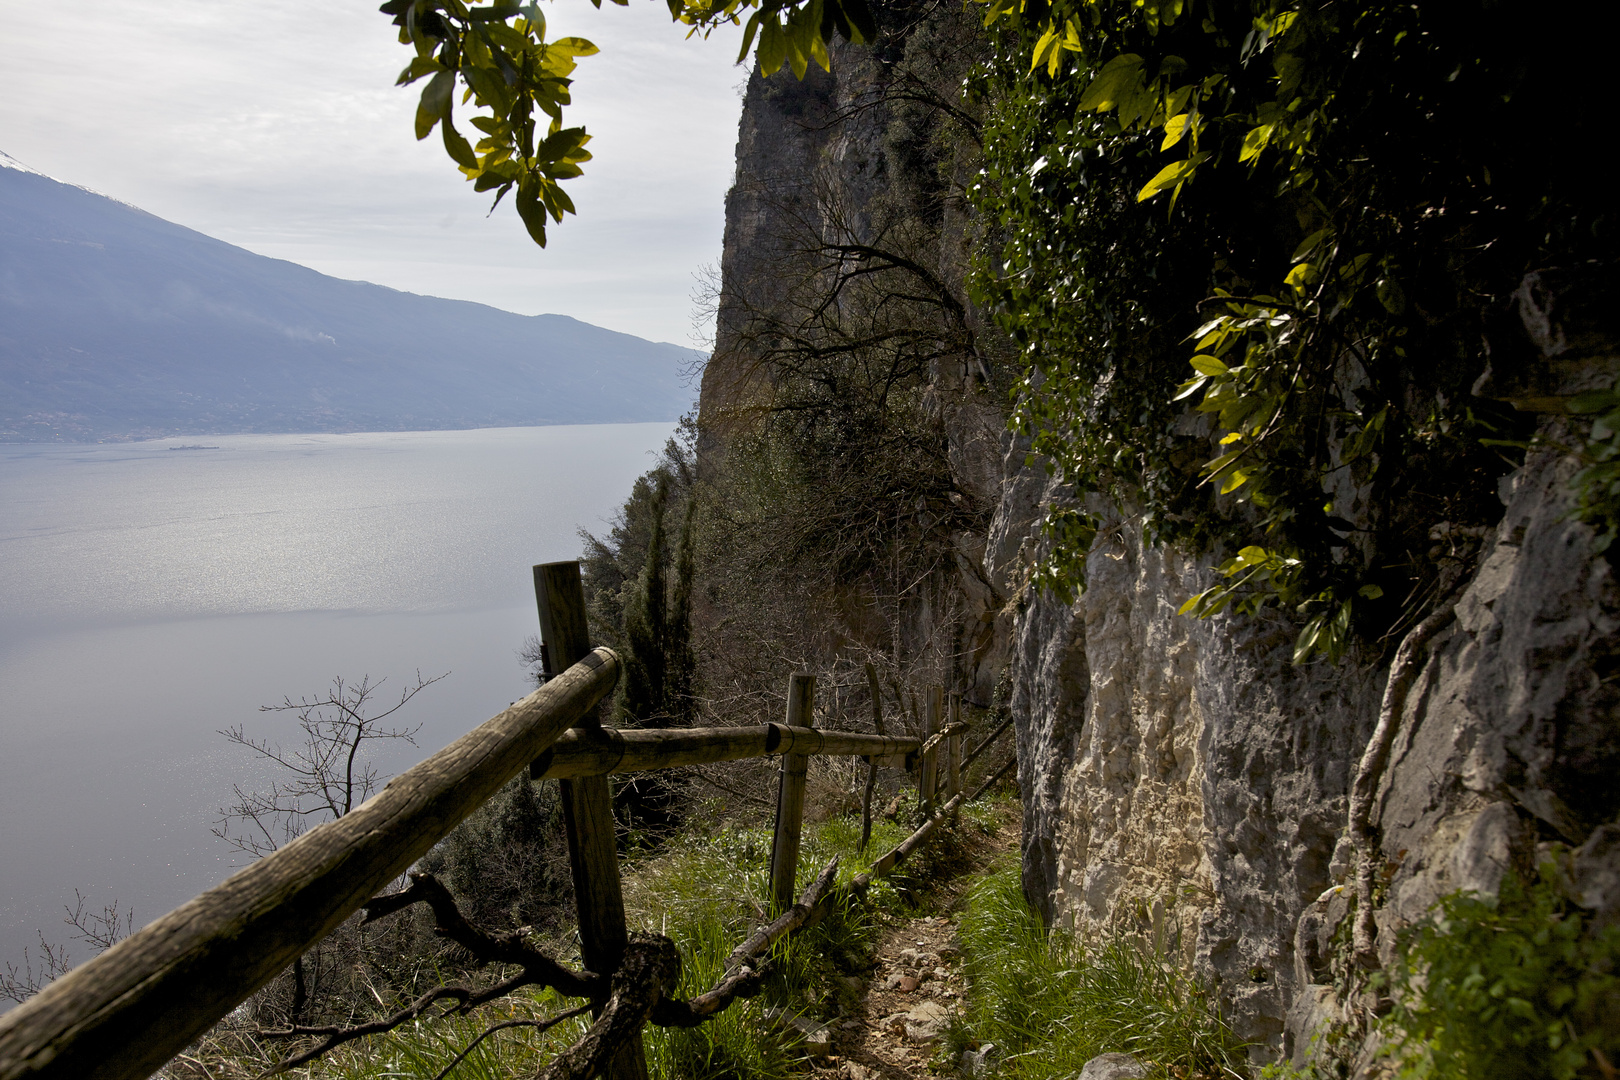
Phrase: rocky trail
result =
(903, 1007)
(898, 1013)
(911, 997)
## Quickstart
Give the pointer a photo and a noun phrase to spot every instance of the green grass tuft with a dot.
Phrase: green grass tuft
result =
(1050, 1004)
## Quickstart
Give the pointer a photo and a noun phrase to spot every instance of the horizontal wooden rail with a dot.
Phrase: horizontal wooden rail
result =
(600, 751)
(994, 777)
(988, 739)
(936, 739)
(136, 1005)
(897, 855)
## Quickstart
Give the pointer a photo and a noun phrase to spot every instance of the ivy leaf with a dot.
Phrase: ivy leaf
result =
(1308, 245)
(1172, 176)
(456, 146)
(1120, 76)
(1391, 295)
(1255, 141)
(1175, 129)
(1191, 387)
(435, 102)
(532, 213)
(1046, 47)
(1302, 276)
(1305, 644)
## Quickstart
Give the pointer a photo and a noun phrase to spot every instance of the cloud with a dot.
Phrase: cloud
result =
(277, 127)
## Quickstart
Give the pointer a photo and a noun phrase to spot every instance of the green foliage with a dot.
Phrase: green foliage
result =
(1517, 986)
(1310, 203)
(425, 1048)
(642, 697)
(1597, 487)
(1347, 188)
(507, 864)
(734, 1045)
(1050, 1004)
(788, 32)
(500, 56)
(705, 892)
(639, 592)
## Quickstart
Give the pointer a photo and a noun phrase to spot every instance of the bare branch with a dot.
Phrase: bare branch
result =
(485, 947)
(326, 775)
(651, 967)
(538, 1025)
(789, 921)
(537, 969)
(1402, 673)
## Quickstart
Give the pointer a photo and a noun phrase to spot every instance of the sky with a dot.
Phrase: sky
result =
(277, 127)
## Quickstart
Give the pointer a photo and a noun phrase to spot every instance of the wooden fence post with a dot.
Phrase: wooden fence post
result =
(871, 762)
(953, 752)
(790, 795)
(587, 805)
(930, 763)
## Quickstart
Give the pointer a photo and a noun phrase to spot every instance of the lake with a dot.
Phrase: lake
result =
(151, 596)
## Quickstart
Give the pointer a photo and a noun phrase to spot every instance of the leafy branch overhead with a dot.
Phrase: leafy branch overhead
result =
(1248, 251)
(498, 57)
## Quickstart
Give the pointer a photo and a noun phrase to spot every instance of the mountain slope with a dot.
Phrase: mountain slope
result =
(115, 323)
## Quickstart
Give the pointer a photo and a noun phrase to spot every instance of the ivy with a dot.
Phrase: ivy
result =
(1277, 359)
(1245, 249)
(1597, 486)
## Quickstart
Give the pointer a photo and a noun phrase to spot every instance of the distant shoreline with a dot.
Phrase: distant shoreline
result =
(13, 439)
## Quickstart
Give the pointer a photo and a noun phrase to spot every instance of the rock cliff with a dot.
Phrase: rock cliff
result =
(1183, 780)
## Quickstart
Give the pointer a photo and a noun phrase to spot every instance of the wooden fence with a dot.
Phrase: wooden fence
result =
(131, 1009)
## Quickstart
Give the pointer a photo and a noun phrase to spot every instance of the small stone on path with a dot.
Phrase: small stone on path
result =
(1113, 1067)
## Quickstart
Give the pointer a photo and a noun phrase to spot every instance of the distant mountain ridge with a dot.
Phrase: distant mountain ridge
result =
(117, 324)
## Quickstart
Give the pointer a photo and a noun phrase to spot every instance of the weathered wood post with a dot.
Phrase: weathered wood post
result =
(930, 763)
(801, 700)
(953, 751)
(587, 804)
(871, 762)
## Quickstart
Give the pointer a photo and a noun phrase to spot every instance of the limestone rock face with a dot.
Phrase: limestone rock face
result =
(1182, 780)
(1185, 782)
(848, 163)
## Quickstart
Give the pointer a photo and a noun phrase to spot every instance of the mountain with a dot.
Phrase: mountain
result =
(117, 324)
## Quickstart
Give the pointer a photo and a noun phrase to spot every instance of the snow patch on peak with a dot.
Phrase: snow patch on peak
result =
(9, 162)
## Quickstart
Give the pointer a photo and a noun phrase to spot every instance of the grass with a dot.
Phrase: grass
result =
(1050, 1005)
(418, 1050)
(705, 891)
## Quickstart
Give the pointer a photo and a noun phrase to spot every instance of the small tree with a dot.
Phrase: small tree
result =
(646, 627)
(323, 778)
(100, 930)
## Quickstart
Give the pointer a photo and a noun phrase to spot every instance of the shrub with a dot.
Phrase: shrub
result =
(1519, 985)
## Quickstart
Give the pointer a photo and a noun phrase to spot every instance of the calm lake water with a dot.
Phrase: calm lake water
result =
(151, 596)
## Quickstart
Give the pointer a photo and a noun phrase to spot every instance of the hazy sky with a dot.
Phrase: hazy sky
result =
(276, 126)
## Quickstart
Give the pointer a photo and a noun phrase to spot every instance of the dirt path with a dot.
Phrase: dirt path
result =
(916, 986)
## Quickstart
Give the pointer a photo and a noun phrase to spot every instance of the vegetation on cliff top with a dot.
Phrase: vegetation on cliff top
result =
(1327, 206)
